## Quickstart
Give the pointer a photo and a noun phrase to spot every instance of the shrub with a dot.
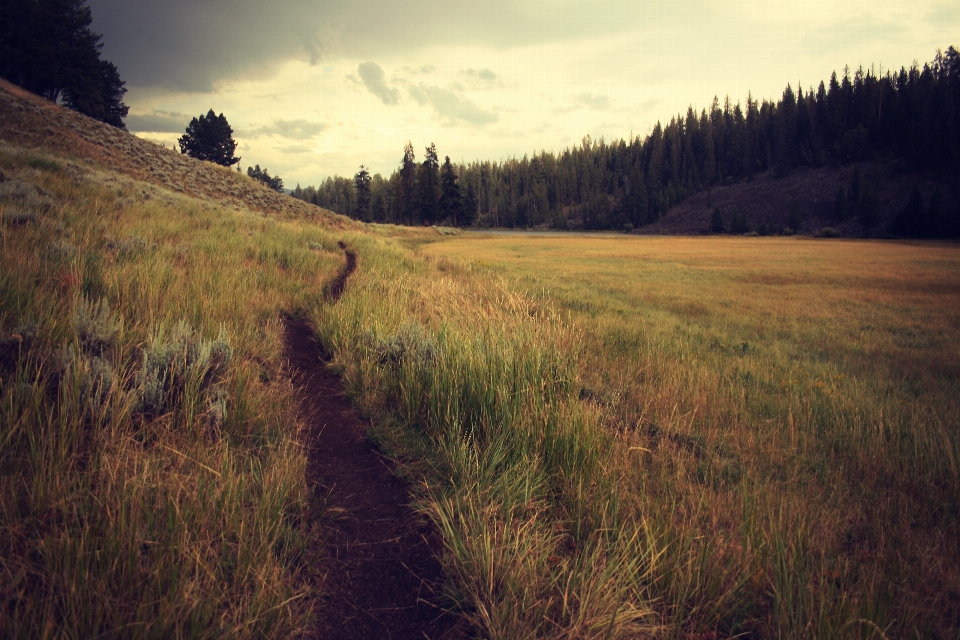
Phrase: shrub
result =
(95, 324)
(410, 344)
(25, 195)
(94, 376)
(129, 247)
(62, 252)
(16, 218)
(829, 232)
(178, 364)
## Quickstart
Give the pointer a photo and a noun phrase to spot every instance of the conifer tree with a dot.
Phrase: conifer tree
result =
(210, 138)
(450, 192)
(47, 47)
(361, 183)
(407, 184)
(428, 184)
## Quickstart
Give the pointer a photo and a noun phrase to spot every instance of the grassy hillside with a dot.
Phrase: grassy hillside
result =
(151, 481)
(33, 122)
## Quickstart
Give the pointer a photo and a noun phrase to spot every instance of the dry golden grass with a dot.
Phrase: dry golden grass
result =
(786, 415)
(151, 479)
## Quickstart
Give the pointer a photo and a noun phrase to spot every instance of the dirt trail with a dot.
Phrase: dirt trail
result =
(379, 570)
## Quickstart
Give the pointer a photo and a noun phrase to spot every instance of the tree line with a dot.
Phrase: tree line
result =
(48, 48)
(913, 114)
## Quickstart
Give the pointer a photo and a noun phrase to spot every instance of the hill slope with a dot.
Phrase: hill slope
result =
(32, 121)
(769, 199)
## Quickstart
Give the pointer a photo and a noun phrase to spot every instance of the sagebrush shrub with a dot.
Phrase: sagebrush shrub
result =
(178, 362)
(96, 325)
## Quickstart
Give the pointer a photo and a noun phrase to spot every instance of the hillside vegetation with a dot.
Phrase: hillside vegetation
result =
(151, 481)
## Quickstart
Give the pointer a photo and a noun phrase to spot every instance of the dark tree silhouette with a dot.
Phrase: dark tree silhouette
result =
(449, 193)
(263, 176)
(210, 138)
(361, 182)
(428, 183)
(47, 47)
(407, 184)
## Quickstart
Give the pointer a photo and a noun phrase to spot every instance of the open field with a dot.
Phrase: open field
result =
(787, 416)
(673, 437)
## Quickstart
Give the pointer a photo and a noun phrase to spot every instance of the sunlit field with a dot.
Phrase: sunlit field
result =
(783, 416)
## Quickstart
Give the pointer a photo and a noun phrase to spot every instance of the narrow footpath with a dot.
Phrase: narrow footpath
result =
(379, 571)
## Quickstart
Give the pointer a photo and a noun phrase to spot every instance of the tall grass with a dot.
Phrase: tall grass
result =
(784, 415)
(481, 386)
(151, 482)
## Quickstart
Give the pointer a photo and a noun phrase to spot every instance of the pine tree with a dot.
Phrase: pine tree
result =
(361, 182)
(450, 192)
(471, 204)
(428, 185)
(716, 222)
(795, 222)
(841, 208)
(47, 47)
(210, 138)
(909, 222)
(263, 176)
(407, 185)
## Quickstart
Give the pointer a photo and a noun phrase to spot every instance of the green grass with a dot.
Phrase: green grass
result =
(151, 480)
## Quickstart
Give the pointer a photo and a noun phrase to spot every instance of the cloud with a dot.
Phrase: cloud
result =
(649, 104)
(376, 82)
(595, 102)
(486, 75)
(297, 148)
(450, 106)
(293, 129)
(187, 45)
(157, 122)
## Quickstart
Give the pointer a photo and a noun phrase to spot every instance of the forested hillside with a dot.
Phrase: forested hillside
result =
(909, 118)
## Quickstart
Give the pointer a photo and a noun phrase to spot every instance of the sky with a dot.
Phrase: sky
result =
(314, 88)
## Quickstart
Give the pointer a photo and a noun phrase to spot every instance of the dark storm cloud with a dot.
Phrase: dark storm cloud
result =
(375, 80)
(190, 44)
(157, 122)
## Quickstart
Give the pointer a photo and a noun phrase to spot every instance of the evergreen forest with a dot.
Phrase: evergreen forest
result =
(911, 116)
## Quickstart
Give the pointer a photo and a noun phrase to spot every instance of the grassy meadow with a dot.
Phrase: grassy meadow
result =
(151, 481)
(616, 437)
(672, 437)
